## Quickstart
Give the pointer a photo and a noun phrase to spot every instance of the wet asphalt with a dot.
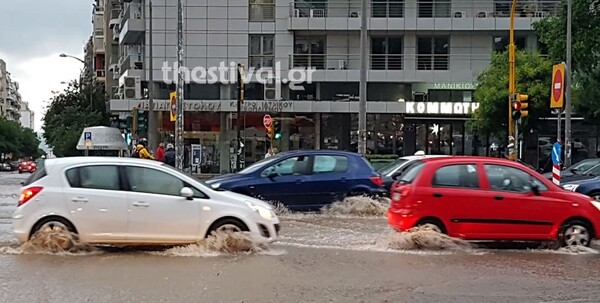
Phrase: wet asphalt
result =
(318, 259)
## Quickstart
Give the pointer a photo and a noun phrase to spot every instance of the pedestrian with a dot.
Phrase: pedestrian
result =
(160, 152)
(170, 155)
(141, 151)
(269, 153)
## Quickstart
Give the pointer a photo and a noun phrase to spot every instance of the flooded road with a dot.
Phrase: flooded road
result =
(319, 258)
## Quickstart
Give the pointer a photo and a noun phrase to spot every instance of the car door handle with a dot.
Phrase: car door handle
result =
(141, 204)
(343, 179)
(438, 195)
(499, 198)
(299, 181)
(79, 200)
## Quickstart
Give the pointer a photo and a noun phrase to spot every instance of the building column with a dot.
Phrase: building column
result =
(224, 165)
(317, 131)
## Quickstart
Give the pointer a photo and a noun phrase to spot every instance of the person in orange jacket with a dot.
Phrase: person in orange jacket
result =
(141, 151)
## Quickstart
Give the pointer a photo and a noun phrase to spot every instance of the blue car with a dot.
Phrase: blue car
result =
(305, 180)
(589, 187)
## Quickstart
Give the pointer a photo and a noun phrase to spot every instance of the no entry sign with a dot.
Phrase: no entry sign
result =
(558, 86)
(267, 121)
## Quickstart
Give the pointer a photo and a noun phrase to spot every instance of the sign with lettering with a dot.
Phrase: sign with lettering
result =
(196, 106)
(441, 108)
(455, 86)
(264, 106)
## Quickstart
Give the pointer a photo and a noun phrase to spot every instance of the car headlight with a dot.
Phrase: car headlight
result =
(266, 213)
(215, 185)
(596, 204)
(570, 187)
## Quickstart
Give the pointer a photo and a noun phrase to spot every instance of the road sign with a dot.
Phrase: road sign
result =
(173, 106)
(558, 86)
(267, 121)
(87, 137)
(556, 151)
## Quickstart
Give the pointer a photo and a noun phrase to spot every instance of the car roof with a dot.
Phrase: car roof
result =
(318, 151)
(410, 158)
(98, 160)
(463, 159)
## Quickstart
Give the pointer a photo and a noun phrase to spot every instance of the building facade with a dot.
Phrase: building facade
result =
(27, 118)
(10, 98)
(424, 57)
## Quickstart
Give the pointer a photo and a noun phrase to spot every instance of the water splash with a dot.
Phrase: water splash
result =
(358, 206)
(217, 244)
(421, 238)
(50, 241)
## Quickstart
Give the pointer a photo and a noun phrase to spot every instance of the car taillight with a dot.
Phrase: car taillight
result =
(400, 192)
(28, 193)
(377, 180)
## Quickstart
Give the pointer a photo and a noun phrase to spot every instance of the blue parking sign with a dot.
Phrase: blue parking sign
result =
(87, 136)
(556, 151)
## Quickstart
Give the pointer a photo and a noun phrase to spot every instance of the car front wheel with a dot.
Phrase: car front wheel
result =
(575, 233)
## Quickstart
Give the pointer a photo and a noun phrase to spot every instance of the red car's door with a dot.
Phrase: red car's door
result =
(518, 212)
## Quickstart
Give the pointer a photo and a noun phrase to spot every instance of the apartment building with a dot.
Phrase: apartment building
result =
(424, 57)
(27, 118)
(10, 98)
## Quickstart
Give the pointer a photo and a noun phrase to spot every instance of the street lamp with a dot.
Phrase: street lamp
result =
(90, 72)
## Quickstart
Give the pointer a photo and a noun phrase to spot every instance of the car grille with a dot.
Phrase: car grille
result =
(277, 228)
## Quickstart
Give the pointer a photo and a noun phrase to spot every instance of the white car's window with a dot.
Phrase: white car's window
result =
(151, 181)
(330, 164)
(511, 179)
(288, 167)
(94, 177)
(461, 175)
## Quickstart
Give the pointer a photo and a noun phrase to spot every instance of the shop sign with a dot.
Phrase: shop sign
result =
(441, 108)
(264, 106)
(455, 85)
(196, 106)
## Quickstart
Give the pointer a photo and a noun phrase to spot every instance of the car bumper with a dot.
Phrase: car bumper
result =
(20, 227)
(401, 219)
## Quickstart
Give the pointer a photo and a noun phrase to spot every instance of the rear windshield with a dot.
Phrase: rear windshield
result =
(411, 172)
(38, 174)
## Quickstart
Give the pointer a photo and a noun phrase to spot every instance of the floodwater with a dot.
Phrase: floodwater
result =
(346, 253)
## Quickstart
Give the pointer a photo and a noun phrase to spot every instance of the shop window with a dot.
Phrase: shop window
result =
(437, 95)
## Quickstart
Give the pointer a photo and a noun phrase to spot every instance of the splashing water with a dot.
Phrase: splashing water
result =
(219, 243)
(50, 241)
(421, 238)
(358, 206)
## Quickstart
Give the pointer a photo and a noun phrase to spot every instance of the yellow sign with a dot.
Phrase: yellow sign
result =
(173, 106)
(557, 92)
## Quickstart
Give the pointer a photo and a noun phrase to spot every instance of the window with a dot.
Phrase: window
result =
(433, 53)
(386, 53)
(262, 10)
(94, 177)
(387, 8)
(309, 52)
(288, 167)
(462, 175)
(37, 175)
(434, 8)
(439, 95)
(261, 51)
(507, 178)
(411, 172)
(501, 43)
(145, 180)
(330, 164)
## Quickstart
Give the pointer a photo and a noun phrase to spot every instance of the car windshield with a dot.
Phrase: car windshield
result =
(191, 176)
(584, 166)
(388, 169)
(260, 164)
(411, 172)
(594, 171)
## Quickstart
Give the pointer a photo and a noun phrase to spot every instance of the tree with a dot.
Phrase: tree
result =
(533, 72)
(17, 140)
(585, 56)
(69, 113)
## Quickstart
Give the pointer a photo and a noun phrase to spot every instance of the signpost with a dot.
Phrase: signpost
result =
(556, 152)
(87, 137)
(173, 106)
(557, 94)
(267, 121)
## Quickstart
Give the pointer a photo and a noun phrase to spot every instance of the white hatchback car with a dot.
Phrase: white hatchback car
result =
(125, 201)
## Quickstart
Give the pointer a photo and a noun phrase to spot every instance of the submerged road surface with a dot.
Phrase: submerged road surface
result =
(319, 259)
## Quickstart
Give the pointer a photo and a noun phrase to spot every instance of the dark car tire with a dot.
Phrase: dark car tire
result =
(595, 195)
(227, 225)
(575, 233)
(433, 224)
(60, 223)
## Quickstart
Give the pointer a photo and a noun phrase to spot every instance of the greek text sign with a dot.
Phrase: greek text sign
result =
(441, 108)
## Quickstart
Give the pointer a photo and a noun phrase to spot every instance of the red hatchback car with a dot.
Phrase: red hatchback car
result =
(478, 198)
(27, 166)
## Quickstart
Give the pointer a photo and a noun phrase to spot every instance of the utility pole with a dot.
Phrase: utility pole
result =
(568, 75)
(152, 129)
(362, 103)
(179, 147)
(240, 101)
(512, 154)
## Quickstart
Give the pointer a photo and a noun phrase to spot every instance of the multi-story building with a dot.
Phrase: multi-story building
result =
(424, 57)
(10, 98)
(27, 116)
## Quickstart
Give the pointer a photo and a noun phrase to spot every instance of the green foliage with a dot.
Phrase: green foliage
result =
(18, 140)
(533, 78)
(585, 56)
(69, 113)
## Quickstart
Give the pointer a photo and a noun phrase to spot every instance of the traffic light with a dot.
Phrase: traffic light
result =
(277, 127)
(134, 119)
(142, 122)
(522, 99)
(271, 132)
(519, 106)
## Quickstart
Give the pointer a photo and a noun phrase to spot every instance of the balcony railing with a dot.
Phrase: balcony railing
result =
(131, 62)
(434, 9)
(260, 11)
(387, 61)
(132, 11)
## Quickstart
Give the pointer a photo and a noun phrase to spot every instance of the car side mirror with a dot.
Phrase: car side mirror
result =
(535, 189)
(187, 193)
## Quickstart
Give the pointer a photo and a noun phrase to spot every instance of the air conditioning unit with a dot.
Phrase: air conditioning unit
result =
(132, 87)
(419, 97)
(273, 90)
(317, 13)
(118, 96)
(460, 14)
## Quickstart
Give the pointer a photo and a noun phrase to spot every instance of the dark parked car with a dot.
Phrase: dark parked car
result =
(395, 169)
(575, 169)
(305, 180)
(589, 187)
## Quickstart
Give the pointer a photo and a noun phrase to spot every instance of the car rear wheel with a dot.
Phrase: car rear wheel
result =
(595, 196)
(575, 233)
(54, 235)
(433, 225)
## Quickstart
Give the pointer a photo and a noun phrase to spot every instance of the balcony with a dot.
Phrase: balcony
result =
(394, 67)
(132, 25)
(131, 61)
(435, 15)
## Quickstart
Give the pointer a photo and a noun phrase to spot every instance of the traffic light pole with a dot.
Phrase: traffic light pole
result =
(179, 125)
(511, 82)
(240, 100)
(568, 143)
